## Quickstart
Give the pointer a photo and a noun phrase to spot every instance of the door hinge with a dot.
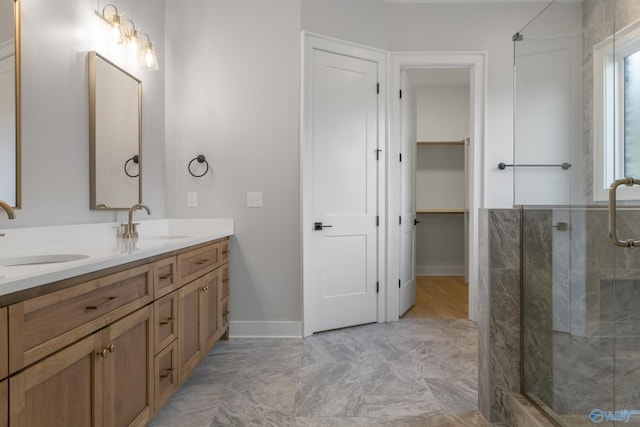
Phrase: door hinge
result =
(400, 156)
(400, 220)
(400, 93)
(377, 287)
(378, 88)
(399, 283)
(378, 221)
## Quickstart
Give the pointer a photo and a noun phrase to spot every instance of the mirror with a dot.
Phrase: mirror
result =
(115, 99)
(10, 102)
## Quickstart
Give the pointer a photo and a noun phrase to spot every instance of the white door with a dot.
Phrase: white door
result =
(408, 137)
(344, 190)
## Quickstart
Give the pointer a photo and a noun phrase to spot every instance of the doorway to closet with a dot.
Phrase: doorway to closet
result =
(435, 128)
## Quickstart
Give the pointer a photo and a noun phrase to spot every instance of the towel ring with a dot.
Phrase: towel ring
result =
(201, 159)
(135, 159)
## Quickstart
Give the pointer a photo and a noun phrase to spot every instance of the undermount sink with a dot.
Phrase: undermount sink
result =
(41, 259)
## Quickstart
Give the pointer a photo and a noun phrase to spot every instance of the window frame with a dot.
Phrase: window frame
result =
(608, 118)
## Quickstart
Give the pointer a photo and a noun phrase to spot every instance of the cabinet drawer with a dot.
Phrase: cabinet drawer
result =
(165, 276)
(224, 251)
(225, 280)
(42, 325)
(166, 367)
(166, 315)
(198, 262)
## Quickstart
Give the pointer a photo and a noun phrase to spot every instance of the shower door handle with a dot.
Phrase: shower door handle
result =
(629, 182)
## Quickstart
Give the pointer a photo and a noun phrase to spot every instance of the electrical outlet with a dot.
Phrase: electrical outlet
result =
(254, 199)
(192, 199)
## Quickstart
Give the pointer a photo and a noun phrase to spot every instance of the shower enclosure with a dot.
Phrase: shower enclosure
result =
(577, 131)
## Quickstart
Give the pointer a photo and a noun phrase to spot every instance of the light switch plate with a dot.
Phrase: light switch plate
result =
(192, 199)
(254, 199)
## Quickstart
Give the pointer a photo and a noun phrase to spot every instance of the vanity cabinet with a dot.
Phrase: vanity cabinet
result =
(105, 380)
(199, 321)
(111, 349)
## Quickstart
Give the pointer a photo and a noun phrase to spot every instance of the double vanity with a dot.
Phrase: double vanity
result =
(103, 331)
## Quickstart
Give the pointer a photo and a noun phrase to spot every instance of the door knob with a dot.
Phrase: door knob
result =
(317, 226)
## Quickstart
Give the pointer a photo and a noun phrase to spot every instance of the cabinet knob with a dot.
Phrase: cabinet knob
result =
(102, 353)
(111, 348)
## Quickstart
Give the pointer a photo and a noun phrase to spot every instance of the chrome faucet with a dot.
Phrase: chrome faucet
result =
(8, 209)
(130, 229)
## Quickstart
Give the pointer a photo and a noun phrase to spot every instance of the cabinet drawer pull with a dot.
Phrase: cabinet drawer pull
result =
(225, 281)
(102, 353)
(166, 321)
(167, 373)
(205, 289)
(202, 261)
(97, 306)
(166, 276)
(111, 348)
(226, 252)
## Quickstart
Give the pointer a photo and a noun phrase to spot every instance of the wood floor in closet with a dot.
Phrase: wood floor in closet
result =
(440, 297)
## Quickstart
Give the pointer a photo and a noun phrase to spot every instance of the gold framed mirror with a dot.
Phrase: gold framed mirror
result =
(10, 130)
(115, 107)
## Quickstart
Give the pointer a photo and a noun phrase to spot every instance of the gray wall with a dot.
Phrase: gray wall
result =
(56, 37)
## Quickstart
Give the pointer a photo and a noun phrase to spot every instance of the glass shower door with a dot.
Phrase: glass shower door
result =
(577, 108)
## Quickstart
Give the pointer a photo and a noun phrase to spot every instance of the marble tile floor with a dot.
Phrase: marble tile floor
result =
(415, 372)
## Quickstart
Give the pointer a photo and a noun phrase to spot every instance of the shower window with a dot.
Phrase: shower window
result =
(617, 112)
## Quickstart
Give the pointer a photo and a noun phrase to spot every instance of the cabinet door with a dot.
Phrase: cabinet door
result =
(4, 403)
(189, 327)
(4, 343)
(210, 310)
(128, 370)
(60, 391)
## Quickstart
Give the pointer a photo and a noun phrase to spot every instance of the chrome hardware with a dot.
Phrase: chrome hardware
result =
(129, 229)
(561, 226)
(8, 209)
(629, 182)
(564, 166)
(317, 226)
(97, 306)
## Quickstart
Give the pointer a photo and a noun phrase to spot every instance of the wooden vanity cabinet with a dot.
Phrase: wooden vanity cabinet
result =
(111, 350)
(105, 380)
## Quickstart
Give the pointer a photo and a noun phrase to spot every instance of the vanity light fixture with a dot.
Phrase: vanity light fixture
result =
(124, 32)
(112, 16)
(148, 54)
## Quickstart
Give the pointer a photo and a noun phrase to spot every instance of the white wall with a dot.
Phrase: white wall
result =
(443, 113)
(233, 79)
(56, 37)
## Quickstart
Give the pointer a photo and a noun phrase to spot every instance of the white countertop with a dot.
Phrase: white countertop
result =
(100, 243)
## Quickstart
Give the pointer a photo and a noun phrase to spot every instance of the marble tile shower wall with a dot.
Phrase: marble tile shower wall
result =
(581, 327)
(499, 329)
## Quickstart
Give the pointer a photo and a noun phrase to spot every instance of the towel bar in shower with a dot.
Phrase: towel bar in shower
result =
(563, 166)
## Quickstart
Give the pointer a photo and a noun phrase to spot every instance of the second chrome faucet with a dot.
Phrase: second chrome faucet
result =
(130, 229)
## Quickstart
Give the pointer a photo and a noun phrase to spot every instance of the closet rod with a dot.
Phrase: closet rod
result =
(564, 166)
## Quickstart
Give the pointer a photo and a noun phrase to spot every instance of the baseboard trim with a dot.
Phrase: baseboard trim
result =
(249, 329)
(440, 270)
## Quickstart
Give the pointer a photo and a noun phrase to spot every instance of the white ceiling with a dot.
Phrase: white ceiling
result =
(438, 76)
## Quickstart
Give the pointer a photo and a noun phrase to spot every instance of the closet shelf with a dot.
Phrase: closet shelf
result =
(436, 143)
(441, 211)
